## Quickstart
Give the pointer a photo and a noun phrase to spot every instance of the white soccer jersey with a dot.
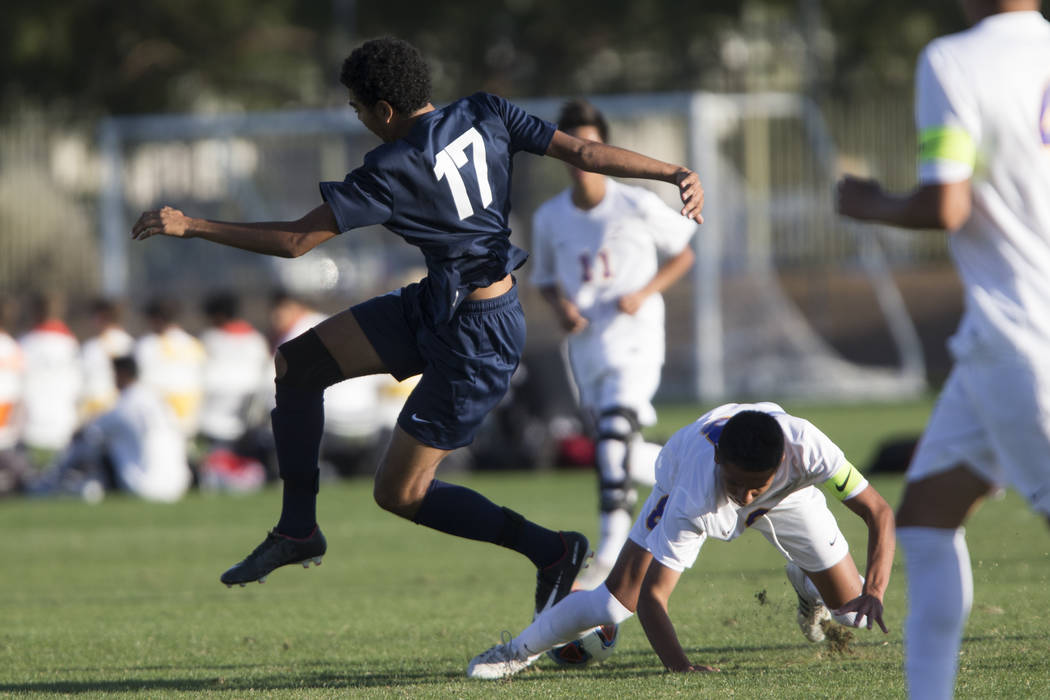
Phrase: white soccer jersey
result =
(172, 364)
(237, 361)
(96, 359)
(697, 506)
(51, 385)
(983, 112)
(10, 390)
(597, 256)
(147, 449)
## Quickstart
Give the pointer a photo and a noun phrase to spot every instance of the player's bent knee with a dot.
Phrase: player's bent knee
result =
(307, 363)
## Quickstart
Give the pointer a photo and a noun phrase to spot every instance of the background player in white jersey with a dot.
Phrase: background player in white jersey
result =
(597, 249)
(983, 116)
(739, 466)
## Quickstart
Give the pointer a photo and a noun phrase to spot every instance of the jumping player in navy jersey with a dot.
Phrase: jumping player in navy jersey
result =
(441, 180)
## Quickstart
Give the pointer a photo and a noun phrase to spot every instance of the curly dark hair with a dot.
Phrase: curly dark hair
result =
(577, 113)
(752, 441)
(388, 69)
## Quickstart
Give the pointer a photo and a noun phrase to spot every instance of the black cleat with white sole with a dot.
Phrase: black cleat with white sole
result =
(555, 581)
(275, 551)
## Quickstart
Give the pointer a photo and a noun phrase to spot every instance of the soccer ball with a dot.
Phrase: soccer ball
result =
(593, 647)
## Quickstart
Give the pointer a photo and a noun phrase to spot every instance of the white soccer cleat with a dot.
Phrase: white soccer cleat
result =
(498, 662)
(811, 612)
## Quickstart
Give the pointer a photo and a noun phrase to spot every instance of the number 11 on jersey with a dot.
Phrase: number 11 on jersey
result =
(452, 158)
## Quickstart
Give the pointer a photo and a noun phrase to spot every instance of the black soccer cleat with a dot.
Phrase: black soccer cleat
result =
(276, 550)
(555, 581)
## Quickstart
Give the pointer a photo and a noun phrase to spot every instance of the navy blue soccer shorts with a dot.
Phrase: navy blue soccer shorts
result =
(466, 363)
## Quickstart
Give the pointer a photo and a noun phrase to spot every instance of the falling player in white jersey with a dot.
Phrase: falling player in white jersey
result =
(983, 116)
(739, 467)
(597, 250)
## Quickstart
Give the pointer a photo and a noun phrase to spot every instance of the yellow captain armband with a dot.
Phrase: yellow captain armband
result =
(947, 143)
(846, 483)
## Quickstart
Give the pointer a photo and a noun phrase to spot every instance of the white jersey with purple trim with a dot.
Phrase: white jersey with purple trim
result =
(597, 256)
(983, 113)
(697, 506)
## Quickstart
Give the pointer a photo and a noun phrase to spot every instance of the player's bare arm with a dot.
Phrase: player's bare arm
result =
(669, 273)
(284, 239)
(569, 316)
(598, 157)
(656, 590)
(933, 206)
(876, 513)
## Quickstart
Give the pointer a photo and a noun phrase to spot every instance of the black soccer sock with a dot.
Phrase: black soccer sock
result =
(459, 511)
(298, 423)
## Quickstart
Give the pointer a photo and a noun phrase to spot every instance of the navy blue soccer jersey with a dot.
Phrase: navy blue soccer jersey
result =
(445, 188)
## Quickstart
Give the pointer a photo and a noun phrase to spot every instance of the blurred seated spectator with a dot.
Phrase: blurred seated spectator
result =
(237, 361)
(51, 381)
(171, 363)
(134, 447)
(96, 358)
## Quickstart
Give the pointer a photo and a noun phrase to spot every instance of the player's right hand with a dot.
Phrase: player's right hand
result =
(166, 221)
(692, 194)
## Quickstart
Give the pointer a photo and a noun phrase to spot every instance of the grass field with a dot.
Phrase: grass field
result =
(123, 599)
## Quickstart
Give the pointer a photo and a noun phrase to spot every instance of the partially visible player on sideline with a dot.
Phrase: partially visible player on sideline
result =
(738, 466)
(237, 360)
(170, 361)
(597, 249)
(96, 358)
(441, 180)
(982, 110)
(51, 380)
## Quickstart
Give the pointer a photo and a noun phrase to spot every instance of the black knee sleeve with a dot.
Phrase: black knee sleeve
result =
(309, 364)
(616, 495)
(618, 424)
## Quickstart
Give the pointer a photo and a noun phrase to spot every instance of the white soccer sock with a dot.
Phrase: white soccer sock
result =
(611, 456)
(940, 593)
(615, 525)
(570, 619)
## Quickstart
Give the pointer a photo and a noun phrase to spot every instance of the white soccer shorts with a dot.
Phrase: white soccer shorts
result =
(993, 416)
(800, 527)
(632, 388)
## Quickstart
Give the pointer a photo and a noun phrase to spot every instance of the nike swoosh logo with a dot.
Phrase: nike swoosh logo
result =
(417, 419)
(832, 543)
(842, 486)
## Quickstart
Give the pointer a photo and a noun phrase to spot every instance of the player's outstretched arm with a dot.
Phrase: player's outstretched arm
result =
(284, 239)
(598, 157)
(657, 586)
(934, 206)
(878, 516)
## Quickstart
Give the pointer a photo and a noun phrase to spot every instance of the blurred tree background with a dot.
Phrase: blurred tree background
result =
(87, 58)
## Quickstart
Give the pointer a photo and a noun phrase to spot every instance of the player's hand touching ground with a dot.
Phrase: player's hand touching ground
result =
(167, 221)
(867, 607)
(692, 194)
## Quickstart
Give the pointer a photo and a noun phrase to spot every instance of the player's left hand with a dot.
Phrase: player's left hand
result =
(692, 194)
(630, 303)
(867, 607)
(857, 197)
(167, 221)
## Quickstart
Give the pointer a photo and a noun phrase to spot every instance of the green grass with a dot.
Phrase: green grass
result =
(123, 599)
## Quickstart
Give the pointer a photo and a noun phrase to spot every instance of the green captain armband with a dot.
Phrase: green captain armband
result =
(846, 482)
(947, 143)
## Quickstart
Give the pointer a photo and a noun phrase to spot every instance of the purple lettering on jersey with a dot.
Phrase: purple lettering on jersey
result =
(713, 430)
(656, 513)
(755, 515)
(1044, 118)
